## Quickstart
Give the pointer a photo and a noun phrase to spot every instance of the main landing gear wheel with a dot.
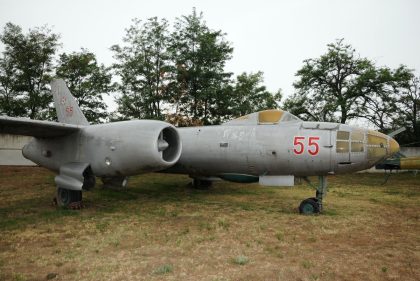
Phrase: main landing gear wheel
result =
(309, 206)
(313, 205)
(69, 198)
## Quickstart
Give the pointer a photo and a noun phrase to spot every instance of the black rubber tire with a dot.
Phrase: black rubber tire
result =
(66, 196)
(309, 207)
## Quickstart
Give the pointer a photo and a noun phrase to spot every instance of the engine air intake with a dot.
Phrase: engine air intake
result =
(169, 144)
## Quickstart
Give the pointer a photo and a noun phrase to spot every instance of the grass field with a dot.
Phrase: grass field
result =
(159, 229)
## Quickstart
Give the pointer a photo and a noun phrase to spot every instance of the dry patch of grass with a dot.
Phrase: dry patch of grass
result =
(159, 229)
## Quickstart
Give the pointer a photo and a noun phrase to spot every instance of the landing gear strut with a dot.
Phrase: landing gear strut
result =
(72, 179)
(201, 183)
(313, 205)
(69, 198)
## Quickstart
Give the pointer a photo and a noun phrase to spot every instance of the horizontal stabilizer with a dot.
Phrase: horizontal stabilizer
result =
(396, 132)
(35, 128)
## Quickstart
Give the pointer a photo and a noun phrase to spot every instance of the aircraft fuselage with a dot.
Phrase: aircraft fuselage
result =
(289, 148)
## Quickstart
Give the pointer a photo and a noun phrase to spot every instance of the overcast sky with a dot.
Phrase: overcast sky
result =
(271, 36)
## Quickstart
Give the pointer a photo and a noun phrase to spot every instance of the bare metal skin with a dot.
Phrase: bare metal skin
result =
(79, 152)
(269, 147)
(272, 147)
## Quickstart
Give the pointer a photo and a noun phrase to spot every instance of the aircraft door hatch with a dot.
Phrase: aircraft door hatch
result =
(328, 147)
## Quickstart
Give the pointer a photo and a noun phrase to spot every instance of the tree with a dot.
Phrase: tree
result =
(337, 86)
(143, 68)
(250, 95)
(407, 98)
(199, 55)
(379, 105)
(87, 81)
(27, 68)
(10, 100)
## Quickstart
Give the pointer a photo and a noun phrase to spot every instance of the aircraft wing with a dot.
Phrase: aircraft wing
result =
(35, 128)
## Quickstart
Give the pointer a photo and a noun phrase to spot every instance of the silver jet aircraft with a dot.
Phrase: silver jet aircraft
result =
(273, 146)
(270, 147)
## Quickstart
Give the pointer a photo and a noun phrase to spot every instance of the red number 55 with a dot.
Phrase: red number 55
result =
(299, 145)
(313, 144)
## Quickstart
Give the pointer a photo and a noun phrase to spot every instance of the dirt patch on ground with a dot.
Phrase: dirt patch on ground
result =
(159, 229)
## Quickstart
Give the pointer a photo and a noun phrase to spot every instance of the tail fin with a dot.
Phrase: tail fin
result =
(66, 105)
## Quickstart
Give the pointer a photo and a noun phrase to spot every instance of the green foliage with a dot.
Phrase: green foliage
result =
(407, 98)
(241, 260)
(143, 68)
(102, 226)
(87, 81)
(19, 277)
(199, 54)
(280, 236)
(378, 106)
(223, 223)
(163, 269)
(182, 70)
(307, 264)
(250, 95)
(11, 102)
(175, 75)
(179, 76)
(337, 86)
(340, 86)
(26, 68)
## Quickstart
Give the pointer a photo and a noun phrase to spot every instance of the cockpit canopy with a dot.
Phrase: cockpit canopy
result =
(266, 117)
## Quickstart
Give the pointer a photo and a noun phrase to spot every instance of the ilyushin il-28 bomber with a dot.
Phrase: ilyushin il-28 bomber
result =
(271, 147)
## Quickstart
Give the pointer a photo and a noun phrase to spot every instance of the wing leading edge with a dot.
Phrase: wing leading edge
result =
(35, 128)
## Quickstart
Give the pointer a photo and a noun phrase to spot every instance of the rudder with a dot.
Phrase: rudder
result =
(68, 111)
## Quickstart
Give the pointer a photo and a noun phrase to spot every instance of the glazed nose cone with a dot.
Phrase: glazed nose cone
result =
(393, 146)
(381, 146)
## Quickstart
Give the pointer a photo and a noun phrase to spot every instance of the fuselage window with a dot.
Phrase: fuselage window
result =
(357, 146)
(343, 135)
(357, 138)
(343, 144)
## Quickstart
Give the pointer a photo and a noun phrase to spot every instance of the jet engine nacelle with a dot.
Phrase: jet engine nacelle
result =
(129, 148)
(114, 149)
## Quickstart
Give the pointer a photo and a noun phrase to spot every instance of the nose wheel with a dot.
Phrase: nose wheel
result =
(313, 205)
